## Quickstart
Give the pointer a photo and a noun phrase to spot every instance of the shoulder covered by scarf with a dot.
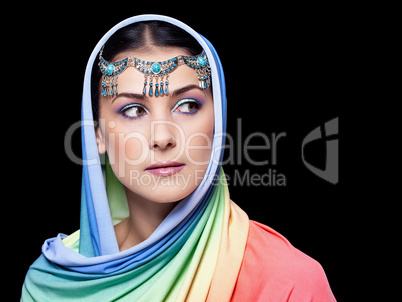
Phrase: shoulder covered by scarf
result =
(206, 249)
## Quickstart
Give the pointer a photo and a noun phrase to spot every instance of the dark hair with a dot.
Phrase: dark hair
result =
(140, 36)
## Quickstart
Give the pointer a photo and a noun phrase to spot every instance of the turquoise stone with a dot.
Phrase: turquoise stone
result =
(156, 68)
(201, 61)
(109, 69)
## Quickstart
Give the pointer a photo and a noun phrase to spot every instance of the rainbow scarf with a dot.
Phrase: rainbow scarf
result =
(199, 261)
(196, 252)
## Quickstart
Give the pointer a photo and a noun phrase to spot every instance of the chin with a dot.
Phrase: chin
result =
(163, 193)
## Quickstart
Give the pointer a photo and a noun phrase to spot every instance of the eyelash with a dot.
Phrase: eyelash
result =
(175, 107)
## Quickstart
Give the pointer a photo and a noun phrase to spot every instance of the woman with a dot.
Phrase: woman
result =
(157, 223)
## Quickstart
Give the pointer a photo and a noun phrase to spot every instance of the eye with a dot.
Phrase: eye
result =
(133, 111)
(187, 106)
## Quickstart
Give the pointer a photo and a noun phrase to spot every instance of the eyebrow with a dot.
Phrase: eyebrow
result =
(185, 89)
(143, 97)
(130, 95)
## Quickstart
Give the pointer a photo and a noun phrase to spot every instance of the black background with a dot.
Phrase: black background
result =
(287, 70)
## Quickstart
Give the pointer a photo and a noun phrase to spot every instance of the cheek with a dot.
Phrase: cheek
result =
(198, 148)
(199, 142)
(126, 148)
(133, 148)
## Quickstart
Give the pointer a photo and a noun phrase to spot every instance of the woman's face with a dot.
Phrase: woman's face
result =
(158, 147)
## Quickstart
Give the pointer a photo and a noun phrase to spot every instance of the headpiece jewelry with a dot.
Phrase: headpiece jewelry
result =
(155, 73)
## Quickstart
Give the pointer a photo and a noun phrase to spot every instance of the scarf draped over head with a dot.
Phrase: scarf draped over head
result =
(196, 252)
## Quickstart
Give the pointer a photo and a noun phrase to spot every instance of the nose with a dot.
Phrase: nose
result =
(162, 135)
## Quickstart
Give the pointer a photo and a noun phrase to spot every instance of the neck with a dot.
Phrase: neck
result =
(145, 217)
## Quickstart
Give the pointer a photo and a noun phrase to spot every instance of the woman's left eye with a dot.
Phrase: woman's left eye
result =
(187, 106)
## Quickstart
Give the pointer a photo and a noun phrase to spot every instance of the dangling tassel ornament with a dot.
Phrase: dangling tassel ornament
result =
(144, 90)
(104, 85)
(166, 87)
(150, 87)
(200, 82)
(106, 89)
(115, 88)
(103, 88)
(161, 90)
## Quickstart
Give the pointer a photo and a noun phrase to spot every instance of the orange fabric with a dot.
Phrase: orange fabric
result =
(273, 270)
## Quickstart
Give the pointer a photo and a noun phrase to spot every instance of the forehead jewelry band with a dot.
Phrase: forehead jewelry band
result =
(155, 73)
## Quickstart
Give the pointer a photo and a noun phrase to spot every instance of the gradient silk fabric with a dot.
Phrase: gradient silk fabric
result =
(206, 249)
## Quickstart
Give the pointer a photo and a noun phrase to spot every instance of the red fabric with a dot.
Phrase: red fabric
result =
(273, 270)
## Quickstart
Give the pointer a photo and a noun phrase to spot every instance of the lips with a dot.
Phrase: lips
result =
(165, 168)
